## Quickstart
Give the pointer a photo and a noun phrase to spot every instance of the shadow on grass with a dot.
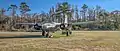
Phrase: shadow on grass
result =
(61, 36)
(58, 36)
(55, 35)
(25, 36)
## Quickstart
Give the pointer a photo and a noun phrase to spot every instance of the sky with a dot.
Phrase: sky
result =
(45, 5)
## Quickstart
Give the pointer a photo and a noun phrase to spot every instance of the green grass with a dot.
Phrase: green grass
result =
(78, 41)
(59, 35)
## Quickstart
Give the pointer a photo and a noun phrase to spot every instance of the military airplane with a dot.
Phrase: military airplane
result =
(53, 26)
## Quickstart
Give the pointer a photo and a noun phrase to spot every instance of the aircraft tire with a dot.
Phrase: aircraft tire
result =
(43, 33)
(67, 34)
(62, 26)
(47, 35)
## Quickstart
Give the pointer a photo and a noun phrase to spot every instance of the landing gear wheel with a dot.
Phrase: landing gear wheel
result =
(43, 33)
(67, 34)
(47, 35)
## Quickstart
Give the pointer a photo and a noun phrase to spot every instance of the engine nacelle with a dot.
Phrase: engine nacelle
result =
(38, 27)
(64, 26)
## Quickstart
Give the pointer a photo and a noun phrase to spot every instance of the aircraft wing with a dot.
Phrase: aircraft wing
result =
(81, 23)
(26, 23)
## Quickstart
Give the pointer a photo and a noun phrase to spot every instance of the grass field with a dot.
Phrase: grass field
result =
(78, 41)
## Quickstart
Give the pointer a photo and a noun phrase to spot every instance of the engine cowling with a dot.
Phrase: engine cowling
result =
(37, 27)
(65, 26)
(62, 26)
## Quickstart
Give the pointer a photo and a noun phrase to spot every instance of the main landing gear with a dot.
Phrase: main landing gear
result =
(46, 33)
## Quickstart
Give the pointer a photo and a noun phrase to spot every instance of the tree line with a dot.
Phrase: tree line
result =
(105, 20)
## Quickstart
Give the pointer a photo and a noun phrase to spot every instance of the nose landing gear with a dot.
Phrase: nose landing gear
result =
(46, 33)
